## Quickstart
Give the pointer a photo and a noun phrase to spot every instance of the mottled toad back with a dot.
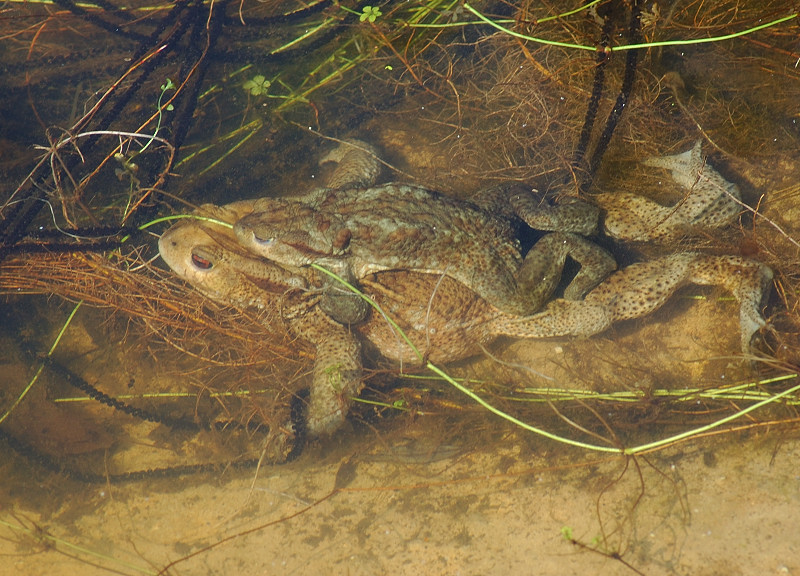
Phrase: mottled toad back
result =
(358, 231)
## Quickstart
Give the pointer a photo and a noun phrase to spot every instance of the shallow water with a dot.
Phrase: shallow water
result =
(440, 485)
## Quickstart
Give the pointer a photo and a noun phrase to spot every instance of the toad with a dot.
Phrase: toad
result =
(355, 229)
(356, 232)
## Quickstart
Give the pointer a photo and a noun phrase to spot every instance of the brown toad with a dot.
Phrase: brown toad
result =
(358, 230)
(355, 229)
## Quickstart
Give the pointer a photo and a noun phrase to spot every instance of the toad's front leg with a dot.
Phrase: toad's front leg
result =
(568, 220)
(337, 373)
(544, 263)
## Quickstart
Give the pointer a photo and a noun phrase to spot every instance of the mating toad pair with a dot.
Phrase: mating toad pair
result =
(450, 272)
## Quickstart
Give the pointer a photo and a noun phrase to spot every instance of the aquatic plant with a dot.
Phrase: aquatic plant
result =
(258, 85)
(370, 14)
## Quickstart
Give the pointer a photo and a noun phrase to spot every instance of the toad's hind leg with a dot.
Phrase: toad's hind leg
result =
(644, 287)
(749, 282)
(358, 164)
(541, 270)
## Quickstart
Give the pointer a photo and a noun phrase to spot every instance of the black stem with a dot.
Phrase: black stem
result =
(79, 383)
(633, 37)
(52, 465)
(597, 94)
(185, 115)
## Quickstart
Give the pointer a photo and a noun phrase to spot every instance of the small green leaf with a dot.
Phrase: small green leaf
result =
(371, 13)
(257, 85)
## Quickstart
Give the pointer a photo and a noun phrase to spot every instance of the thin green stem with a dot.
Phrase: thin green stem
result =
(179, 217)
(505, 416)
(494, 24)
(168, 85)
(509, 20)
(707, 40)
(627, 451)
(716, 424)
(505, 30)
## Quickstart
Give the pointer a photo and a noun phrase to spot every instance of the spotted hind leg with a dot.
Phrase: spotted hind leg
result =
(644, 287)
(747, 280)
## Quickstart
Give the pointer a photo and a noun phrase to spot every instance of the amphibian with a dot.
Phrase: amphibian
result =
(354, 229)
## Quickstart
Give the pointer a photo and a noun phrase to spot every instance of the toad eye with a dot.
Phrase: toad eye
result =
(201, 263)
